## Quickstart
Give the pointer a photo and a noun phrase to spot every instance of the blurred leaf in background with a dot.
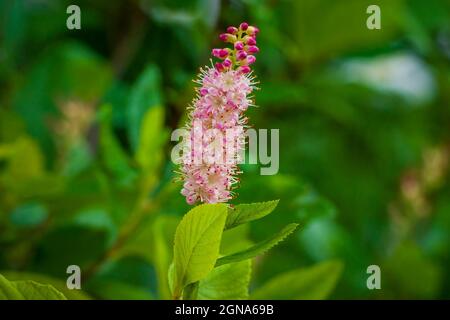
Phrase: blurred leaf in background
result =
(85, 170)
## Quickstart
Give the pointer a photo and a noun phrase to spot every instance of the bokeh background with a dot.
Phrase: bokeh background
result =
(86, 116)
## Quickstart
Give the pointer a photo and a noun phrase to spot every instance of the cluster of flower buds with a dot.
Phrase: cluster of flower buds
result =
(242, 55)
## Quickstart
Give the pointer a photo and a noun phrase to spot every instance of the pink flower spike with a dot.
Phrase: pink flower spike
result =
(239, 45)
(243, 26)
(232, 30)
(241, 55)
(250, 59)
(217, 117)
(253, 49)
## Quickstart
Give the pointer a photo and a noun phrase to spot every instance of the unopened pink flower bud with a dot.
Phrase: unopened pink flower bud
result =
(216, 52)
(250, 59)
(239, 45)
(203, 91)
(227, 37)
(232, 30)
(219, 66)
(226, 63)
(244, 69)
(252, 30)
(240, 55)
(243, 26)
(223, 53)
(253, 49)
(250, 41)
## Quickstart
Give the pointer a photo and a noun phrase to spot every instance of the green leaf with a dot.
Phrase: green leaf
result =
(162, 254)
(197, 242)
(77, 63)
(8, 291)
(35, 291)
(190, 291)
(243, 213)
(171, 276)
(314, 41)
(27, 290)
(68, 244)
(199, 14)
(149, 153)
(311, 206)
(316, 282)
(78, 159)
(235, 239)
(140, 243)
(11, 126)
(58, 284)
(144, 95)
(129, 277)
(13, 23)
(409, 273)
(149, 235)
(153, 242)
(24, 172)
(117, 290)
(226, 282)
(24, 158)
(29, 215)
(258, 248)
(113, 156)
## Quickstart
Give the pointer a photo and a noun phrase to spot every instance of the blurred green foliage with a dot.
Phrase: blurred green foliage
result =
(85, 170)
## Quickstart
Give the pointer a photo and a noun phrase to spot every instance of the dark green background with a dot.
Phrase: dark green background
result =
(364, 164)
